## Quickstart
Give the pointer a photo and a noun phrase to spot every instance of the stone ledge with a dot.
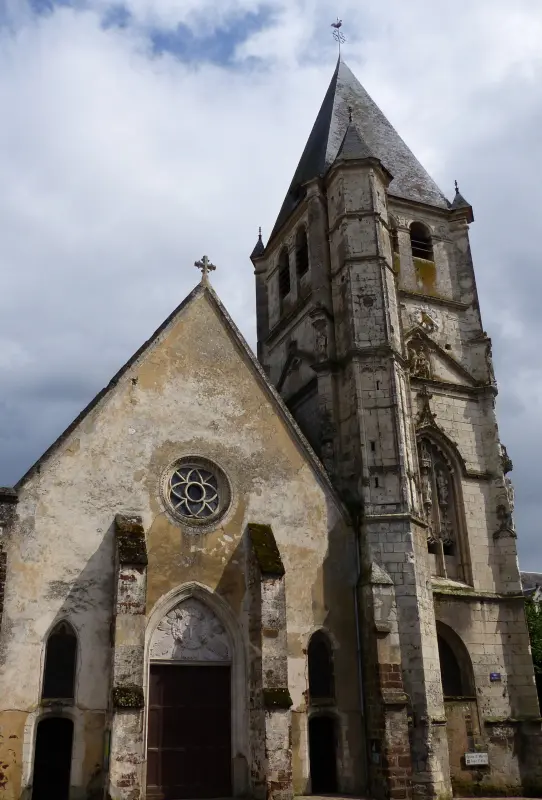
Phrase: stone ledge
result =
(467, 593)
(391, 697)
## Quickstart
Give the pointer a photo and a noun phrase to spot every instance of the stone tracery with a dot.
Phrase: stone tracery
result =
(439, 500)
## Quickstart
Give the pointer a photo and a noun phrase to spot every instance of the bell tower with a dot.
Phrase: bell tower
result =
(369, 327)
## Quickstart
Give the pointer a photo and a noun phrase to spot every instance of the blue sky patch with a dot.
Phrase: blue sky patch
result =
(182, 42)
(217, 47)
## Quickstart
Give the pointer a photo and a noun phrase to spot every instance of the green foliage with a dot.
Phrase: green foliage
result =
(533, 612)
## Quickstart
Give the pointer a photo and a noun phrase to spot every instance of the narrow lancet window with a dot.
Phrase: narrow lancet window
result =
(321, 678)
(284, 276)
(60, 659)
(301, 253)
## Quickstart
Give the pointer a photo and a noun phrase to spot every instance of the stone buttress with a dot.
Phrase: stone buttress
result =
(127, 724)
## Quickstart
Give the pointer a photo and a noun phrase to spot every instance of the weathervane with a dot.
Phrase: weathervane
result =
(338, 35)
(206, 267)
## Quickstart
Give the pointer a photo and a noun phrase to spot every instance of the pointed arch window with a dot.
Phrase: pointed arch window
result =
(320, 662)
(60, 661)
(301, 252)
(439, 483)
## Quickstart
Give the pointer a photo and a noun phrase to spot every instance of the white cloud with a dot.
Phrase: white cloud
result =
(118, 170)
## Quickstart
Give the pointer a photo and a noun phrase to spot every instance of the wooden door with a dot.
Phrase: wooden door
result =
(189, 732)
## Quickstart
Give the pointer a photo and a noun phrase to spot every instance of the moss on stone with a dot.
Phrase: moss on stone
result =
(277, 698)
(131, 544)
(265, 549)
(128, 524)
(128, 697)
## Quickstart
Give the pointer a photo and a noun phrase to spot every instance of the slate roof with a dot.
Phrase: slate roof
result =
(353, 146)
(259, 247)
(410, 180)
(460, 202)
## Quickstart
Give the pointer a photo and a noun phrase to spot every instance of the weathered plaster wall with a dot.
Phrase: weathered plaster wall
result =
(192, 393)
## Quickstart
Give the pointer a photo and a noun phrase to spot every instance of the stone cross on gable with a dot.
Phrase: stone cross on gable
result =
(206, 267)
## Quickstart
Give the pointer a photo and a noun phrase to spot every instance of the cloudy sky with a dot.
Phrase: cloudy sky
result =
(137, 135)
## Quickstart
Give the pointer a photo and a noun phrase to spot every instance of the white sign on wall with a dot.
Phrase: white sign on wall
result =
(476, 759)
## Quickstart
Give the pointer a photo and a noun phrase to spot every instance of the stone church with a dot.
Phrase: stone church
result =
(296, 574)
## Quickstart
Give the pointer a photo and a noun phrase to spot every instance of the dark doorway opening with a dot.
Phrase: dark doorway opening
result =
(53, 759)
(450, 671)
(323, 755)
(189, 733)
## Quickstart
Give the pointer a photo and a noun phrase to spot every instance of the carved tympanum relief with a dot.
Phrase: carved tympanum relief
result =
(190, 632)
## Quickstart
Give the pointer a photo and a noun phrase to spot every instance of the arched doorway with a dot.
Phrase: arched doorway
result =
(322, 751)
(189, 716)
(322, 721)
(460, 704)
(53, 759)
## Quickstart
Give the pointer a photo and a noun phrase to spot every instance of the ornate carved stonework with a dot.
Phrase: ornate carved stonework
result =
(420, 366)
(190, 632)
(425, 415)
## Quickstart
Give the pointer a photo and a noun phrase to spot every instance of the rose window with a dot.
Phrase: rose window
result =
(194, 492)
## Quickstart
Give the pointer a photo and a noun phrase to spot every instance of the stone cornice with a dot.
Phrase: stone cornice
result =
(448, 387)
(467, 593)
(438, 299)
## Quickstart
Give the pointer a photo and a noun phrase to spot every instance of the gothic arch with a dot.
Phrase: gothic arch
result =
(320, 666)
(60, 662)
(455, 664)
(441, 470)
(436, 434)
(236, 657)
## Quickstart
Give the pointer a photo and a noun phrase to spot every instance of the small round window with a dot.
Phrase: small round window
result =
(197, 491)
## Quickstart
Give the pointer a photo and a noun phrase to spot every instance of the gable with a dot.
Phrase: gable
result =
(429, 361)
(196, 361)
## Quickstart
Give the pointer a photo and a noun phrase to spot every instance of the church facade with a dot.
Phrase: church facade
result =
(292, 574)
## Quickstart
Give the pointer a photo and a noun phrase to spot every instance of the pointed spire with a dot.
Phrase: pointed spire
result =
(347, 99)
(459, 202)
(259, 248)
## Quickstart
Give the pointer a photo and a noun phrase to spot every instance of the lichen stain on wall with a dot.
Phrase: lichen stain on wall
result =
(12, 724)
(426, 275)
(94, 754)
(177, 557)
